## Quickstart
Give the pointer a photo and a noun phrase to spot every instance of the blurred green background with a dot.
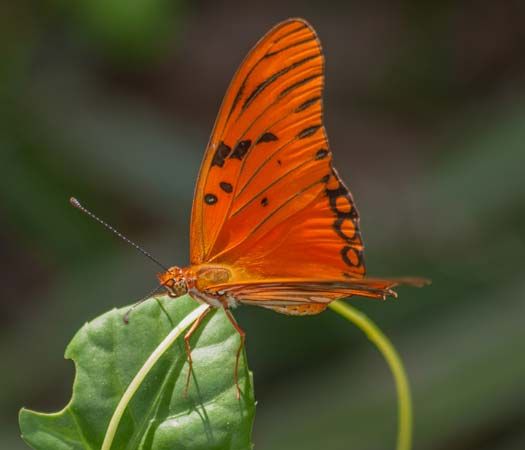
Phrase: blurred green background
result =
(113, 101)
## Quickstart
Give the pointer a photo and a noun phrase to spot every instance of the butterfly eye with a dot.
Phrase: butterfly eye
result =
(180, 287)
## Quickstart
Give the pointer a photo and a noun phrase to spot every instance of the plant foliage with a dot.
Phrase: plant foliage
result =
(108, 354)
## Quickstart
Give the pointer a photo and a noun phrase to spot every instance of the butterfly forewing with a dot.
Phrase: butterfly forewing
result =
(238, 129)
(267, 199)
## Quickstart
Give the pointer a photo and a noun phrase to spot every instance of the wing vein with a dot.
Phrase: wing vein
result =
(264, 163)
(268, 217)
(272, 78)
(262, 191)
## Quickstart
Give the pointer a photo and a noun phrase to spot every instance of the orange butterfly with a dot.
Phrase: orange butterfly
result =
(272, 223)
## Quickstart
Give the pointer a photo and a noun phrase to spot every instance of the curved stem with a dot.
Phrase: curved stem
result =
(143, 372)
(383, 344)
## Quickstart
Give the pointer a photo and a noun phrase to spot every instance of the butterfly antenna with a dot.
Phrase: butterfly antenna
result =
(130, 310)
(77, 205)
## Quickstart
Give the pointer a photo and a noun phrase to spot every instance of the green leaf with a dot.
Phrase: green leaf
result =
(108, 354)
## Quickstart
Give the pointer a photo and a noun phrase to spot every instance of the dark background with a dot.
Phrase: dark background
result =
(113, 102)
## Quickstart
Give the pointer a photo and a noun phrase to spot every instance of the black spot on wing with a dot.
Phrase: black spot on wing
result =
(308, 131)
(267, 137)
(307, 104)
(264, 201)
(210, 199)
(321, 153)
(220, 155)
(226, 187)
(334, 194)
(338, 227)
(357, 253)
(353, 247)
(241, 149)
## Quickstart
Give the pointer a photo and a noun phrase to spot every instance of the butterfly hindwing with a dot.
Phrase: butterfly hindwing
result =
(307, 297)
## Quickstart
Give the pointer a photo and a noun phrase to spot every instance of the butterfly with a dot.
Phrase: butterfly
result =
(273, 224)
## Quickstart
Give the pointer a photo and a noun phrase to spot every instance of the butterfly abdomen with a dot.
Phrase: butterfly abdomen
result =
(298, 310)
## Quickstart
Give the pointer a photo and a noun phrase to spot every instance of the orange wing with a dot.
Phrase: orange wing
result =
(267, 199)
(307, 297)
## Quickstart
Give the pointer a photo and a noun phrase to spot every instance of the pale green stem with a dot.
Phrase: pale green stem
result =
(143, 372)
(404, 436)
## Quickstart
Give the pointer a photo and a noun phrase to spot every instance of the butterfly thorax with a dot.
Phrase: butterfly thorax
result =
(198, 281)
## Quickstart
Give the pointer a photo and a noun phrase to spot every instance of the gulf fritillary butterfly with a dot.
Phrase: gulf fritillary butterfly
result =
(272, 223)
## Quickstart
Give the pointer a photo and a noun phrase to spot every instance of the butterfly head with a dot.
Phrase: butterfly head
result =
(174, 280)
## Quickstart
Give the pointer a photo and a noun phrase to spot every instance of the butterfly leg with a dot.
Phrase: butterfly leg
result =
(187, 338)
(242, 336)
